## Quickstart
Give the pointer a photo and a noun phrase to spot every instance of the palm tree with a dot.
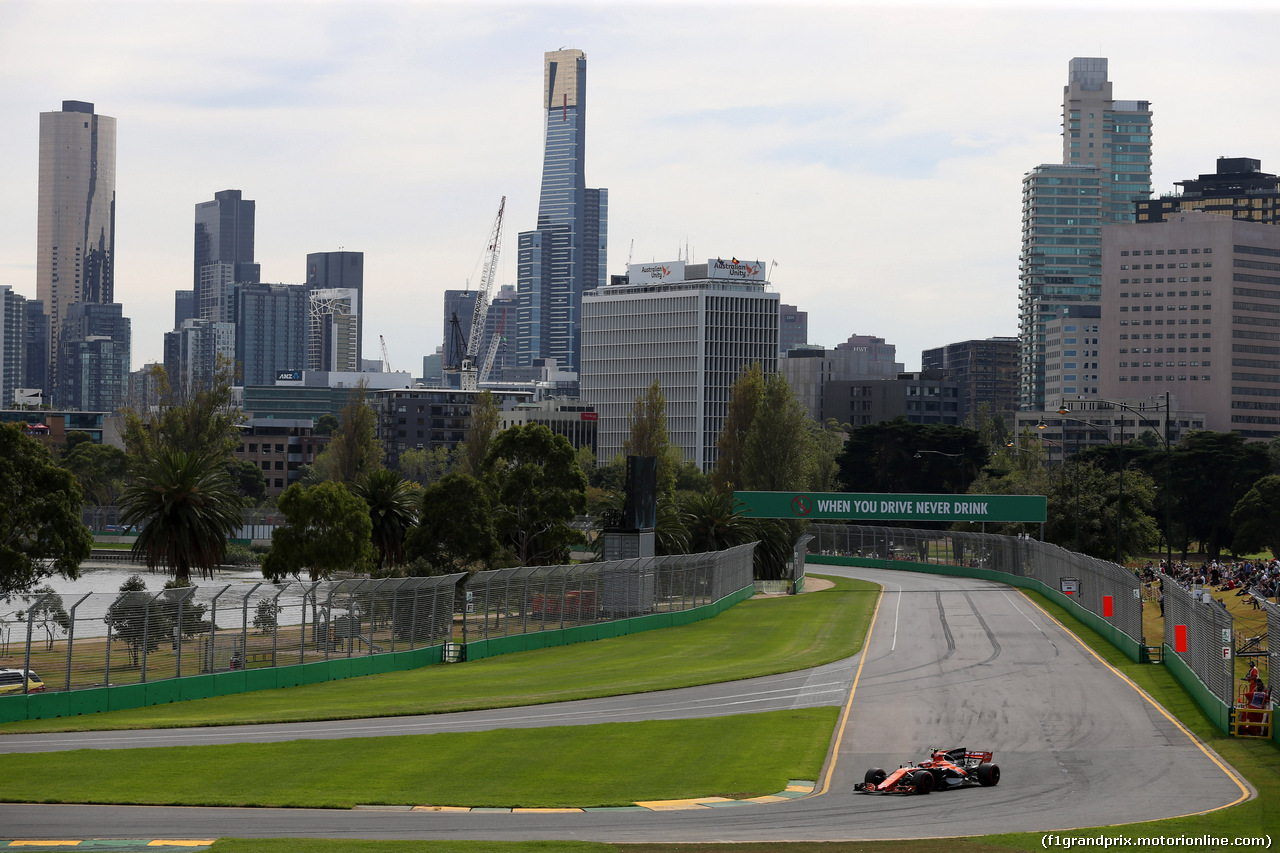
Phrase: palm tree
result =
(714, 522)
(393, 509)
(185, 506)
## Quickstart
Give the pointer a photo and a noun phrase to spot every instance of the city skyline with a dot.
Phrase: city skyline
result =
(843, 166)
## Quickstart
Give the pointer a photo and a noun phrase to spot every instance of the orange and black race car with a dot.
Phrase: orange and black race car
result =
(946, 768)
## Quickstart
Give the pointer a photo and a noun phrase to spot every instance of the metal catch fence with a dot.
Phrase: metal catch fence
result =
(1098, 583)
(503, 602)
(141, 636)
(1201, 634)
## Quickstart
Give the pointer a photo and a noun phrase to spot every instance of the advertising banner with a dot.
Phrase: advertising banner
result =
(893, 507)
(655, 273)
(735, 268)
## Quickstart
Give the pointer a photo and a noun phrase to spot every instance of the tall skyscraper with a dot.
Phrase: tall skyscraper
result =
(223, 253)
(341, 270)
(193, 352)
(1106, 168)
(333, 330)
(76, 210)
(565, 255)
(36, 363)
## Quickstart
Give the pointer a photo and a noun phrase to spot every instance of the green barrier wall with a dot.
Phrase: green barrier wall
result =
(1217, 710)
(43, 706)
(603, 630)
(1132, 648)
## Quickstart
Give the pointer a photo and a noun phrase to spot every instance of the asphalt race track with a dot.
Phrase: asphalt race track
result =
(951, 662)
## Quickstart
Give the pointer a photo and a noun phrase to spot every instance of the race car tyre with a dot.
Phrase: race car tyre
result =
(923, 781)
(988, 774)
(874, 776)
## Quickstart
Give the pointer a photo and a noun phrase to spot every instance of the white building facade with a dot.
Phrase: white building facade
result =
(694, 328)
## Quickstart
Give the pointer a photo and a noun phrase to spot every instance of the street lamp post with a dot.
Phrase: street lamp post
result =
(1168, 467)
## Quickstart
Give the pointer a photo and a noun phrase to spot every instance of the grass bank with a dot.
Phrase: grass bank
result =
(735, 757)
(758, 637)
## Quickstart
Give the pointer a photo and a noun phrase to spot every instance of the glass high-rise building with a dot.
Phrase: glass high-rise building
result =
(1106, 168)
(76, 211)
(223, 253)
(271, 330)
(93, 358)
(565, 255)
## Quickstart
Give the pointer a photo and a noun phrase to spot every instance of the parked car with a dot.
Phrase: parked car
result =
(11, 681)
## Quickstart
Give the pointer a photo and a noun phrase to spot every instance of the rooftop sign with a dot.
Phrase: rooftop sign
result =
(655, 273)
(892, 507)
(735, 268)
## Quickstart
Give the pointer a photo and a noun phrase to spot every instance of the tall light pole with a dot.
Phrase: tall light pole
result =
(957, 458)
(1168, 467)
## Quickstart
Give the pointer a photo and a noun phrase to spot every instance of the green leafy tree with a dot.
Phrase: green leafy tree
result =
(134, 621)
(40, 529)
(744, 400)
(200, 419)
(100, 469)
(1255, 521)
(393, 509)
(481, 429)
(899, 456)
(426, 466)
(354, 448)
(1211, 472)
(265, 615)
(326, 424)
(538, 487)
(648, 435)
(826, 445)
(455, 530)
(328, 531)
(778, 452)
(47, 612)
(248, 481)
(185, 507)
(75, 438)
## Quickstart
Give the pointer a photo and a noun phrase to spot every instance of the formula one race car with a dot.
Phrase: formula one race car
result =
(946, 768)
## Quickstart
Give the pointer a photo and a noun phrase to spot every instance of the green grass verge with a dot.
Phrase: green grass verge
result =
(758, 637)
(565, 766)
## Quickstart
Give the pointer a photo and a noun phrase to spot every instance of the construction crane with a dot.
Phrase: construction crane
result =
(386, 359)
(468, 366)
(487, 364)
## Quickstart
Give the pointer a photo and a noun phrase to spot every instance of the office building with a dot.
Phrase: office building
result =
(572, 419)
(1071, 355)
(93, 358)
(926, 397)
(499, 321)
(184, 306)
(13, 343)
(793, 328)
(75, 230)
(693, 327)
(809, 370)
(144, 388)
(280, 448)
(1191, 306)
(341, 270)
(1238, 189)
(333, 330)
(459, 305)
(271, 330)
(193, 353)
(1105, 169)
(986, 372)
(565, 255)
(36, 363)
(1113, 135)
(224, 240)
(427, 418)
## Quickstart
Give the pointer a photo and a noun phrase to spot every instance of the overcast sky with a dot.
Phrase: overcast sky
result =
(874, 152)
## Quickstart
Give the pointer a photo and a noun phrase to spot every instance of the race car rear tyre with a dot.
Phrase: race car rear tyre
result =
(874, 776)
(988, 774)
(923, 781)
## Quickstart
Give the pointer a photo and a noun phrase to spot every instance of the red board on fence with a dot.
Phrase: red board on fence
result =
(1107, 609)
(1180, 638)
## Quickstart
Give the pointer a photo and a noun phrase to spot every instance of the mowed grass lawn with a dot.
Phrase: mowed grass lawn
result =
(757, 637)
(614, 764)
